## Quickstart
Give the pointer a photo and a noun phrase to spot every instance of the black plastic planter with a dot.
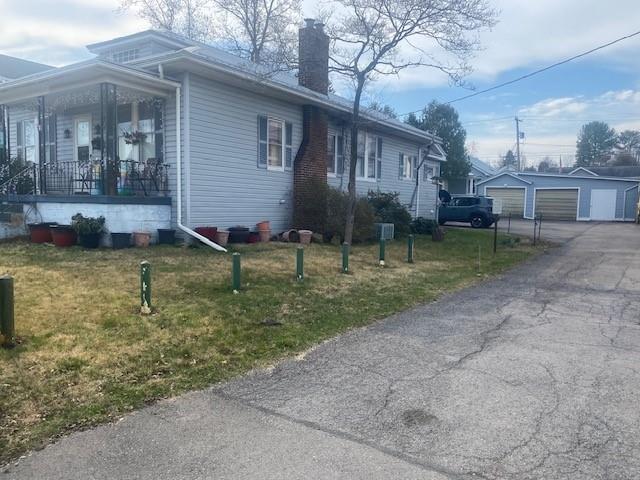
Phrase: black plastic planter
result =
(120, 240)
(90, 240)
(238, 235)
(166, 236)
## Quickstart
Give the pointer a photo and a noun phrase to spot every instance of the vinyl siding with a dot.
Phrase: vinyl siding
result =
(389, 182)
(227, 187)
(585, 185)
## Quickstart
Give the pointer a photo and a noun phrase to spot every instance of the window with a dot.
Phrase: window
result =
(275, 143)
(274, 135)
(144, 117)
(125, 56)
(335, 155)
(407, 166)
(50, 138)
(27, 140)
(427, 173)
(369, 156)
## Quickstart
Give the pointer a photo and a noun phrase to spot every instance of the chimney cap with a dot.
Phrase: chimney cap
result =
(309, 22)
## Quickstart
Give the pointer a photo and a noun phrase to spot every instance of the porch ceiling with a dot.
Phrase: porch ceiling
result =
(81, 75)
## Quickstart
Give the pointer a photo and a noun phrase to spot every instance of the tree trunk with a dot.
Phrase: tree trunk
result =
(353, 159)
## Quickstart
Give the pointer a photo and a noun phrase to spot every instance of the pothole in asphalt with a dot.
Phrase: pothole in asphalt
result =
(416, 417)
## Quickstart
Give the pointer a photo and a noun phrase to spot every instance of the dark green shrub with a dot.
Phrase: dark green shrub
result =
(337, 202)
(388, 209)
(87, 225)
(423, 226)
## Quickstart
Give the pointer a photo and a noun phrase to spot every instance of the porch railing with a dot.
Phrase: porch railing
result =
(121, 177)
(17, 178)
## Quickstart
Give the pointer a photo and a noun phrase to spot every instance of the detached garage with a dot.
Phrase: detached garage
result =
(564, 197)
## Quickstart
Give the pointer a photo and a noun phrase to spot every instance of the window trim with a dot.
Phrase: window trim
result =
(413, 163)
(376, 175)
(21, 145)
(333, 174)
(283, 134)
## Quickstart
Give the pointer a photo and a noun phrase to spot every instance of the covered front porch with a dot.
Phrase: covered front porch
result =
(98, 130)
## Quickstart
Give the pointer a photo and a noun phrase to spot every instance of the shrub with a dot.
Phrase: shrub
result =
(337, 202)
(87, 225)
(388, 209)
(423, 226)
(21, 184)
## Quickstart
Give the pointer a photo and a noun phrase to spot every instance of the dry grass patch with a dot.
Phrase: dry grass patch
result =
(87, 356)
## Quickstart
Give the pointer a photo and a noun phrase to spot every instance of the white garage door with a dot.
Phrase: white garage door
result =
(603, 204)
(557, 204)
(512, 199)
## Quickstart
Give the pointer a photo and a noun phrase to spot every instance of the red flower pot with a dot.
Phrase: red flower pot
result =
(41, 232)
(63, 235)
(207, 232)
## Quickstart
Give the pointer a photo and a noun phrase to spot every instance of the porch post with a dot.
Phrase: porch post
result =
(109, 138)
(42, 148)
(3, 138)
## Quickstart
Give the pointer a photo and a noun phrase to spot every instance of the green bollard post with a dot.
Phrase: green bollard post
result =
(300, 264)
(382, 251)
(410, 249)
(7, 326)
(235, 272)
(345, 258)
(145, 288)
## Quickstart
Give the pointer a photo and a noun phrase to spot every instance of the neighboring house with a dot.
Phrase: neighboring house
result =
(578, 196)
(479, 171)
(12, 68)
(118, 131)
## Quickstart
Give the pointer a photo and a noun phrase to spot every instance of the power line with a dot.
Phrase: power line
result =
(535, 72)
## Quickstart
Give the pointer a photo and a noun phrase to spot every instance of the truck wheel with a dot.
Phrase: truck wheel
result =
(477, 221)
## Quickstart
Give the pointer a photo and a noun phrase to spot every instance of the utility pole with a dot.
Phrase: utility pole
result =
(518, 143)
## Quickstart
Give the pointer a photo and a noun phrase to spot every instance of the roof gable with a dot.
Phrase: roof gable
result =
(509, 174)
(582, 170)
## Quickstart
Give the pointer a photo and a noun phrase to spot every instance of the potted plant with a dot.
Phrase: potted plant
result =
(141, 239)
(63, 235)
(89, 229)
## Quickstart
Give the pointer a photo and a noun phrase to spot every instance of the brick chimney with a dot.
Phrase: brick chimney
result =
(313, 56)
(310, 170)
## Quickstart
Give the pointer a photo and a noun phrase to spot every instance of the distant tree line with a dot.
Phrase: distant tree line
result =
(598, 144)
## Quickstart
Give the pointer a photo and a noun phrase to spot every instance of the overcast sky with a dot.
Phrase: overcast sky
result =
(604, 86)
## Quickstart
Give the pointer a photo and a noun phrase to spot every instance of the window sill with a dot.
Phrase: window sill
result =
(363, 179)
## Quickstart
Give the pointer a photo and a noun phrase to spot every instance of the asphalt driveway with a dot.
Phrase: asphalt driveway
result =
(534, 375)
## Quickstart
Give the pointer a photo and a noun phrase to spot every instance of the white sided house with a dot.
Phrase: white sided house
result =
(580, 195)
(158, 131)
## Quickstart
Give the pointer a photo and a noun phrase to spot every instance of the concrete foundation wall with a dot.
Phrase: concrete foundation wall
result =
(119, 217)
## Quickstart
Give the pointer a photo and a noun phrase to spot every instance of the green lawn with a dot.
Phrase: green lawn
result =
(86, 355)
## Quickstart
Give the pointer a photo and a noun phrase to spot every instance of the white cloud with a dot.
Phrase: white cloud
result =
(551, 126)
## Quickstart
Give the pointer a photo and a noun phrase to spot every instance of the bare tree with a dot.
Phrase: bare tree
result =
(264, 31)
(191, 18)
(384, 37)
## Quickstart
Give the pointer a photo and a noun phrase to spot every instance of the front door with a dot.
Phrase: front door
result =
(603, 205)
(82, 138)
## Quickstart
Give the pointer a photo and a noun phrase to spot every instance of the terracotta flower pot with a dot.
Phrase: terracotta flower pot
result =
(63, 235)
(41, 232)
(207, 232)
(141, 239)
(263, 226)
(305, 236)
(265, 235)
(222, 237)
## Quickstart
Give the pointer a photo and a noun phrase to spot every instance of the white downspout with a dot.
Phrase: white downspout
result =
(182, 227)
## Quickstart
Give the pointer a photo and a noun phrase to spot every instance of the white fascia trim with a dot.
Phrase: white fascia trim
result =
(546, 175)
(583, 169)
(502, 175)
